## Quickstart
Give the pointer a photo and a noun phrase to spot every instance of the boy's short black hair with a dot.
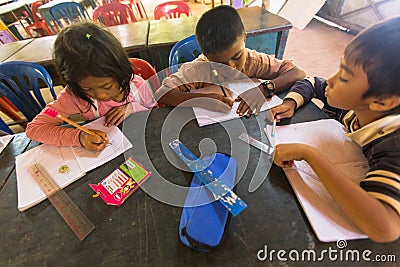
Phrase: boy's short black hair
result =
(376, 50)
(87, 49)
(218, 29)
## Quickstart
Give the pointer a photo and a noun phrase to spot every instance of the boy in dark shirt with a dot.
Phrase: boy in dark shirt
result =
(367, 84)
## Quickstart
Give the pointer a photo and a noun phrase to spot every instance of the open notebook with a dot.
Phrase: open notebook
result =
(326, 218)
(207, 117)
(64, 164)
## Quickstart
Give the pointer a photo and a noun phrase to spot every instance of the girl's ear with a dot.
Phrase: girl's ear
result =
(384, 103)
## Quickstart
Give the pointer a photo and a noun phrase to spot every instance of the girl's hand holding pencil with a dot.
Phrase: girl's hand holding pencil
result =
(95, 142)
(90, 139)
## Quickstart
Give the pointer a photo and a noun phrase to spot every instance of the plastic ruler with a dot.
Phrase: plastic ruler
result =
(69, 211)
(260, 145)
(257, 144)
(223, 193)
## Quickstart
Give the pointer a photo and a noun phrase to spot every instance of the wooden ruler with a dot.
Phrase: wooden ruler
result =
(69, 211)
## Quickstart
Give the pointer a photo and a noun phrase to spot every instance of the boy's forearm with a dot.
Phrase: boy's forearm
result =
(380, 222)
(303, 91)
(175, 97)
(285, 80)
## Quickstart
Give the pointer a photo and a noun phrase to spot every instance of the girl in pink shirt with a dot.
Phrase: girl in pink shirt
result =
(100, 82)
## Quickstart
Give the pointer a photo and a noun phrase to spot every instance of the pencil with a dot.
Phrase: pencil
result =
(273, 131)
(215, 73)
(54, 113)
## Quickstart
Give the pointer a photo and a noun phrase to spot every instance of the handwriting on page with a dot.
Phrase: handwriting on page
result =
(207, 117)
(89, 160)
(325, 216)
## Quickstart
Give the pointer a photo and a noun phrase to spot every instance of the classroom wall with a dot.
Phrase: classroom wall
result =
(359, 14)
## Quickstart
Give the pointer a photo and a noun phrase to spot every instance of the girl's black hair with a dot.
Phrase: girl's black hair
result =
(218, 29)
(86, 49)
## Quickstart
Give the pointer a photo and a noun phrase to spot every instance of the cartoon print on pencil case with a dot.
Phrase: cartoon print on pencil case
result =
(127, 186)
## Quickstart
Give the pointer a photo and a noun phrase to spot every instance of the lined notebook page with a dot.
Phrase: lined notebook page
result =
(326, 218)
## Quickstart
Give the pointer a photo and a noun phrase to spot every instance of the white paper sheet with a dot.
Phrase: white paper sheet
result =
(51, 158)
(207, 117)
(326, 218)
(4, 140)
(78, 160)
(88, 160)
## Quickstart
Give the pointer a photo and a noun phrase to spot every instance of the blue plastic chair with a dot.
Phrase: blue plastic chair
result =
(18, 79)
(4, 127)
(183, 51)
(70, 12)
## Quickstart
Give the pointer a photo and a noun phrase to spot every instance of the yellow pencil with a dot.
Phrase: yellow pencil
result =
(54, 113)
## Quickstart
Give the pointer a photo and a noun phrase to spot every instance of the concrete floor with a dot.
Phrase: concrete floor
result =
(317, 48)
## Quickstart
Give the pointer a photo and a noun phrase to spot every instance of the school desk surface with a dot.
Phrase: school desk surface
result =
(144, 231)
(265, 31)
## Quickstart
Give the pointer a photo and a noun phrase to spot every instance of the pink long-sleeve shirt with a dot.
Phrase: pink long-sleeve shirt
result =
(47, 130)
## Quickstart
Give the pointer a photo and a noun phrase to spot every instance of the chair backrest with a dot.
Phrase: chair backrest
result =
(172, 9)
(4, 127)
(34, 11)
(19, 79)
(70, 12)
(136, 6)
(183, 51)
(144, 69)
(138, 9)
(113, 14)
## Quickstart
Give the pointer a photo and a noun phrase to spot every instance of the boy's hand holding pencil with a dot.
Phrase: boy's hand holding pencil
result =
(90, 139)
(207, 97)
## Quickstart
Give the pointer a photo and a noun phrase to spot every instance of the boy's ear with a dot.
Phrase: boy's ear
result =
(384, 103)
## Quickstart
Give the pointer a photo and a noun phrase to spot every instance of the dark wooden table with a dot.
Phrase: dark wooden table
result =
(39, 51)
(163, 34)
(144, 230)
(7, 50)
(133, 37)
(17, 146)
(265, 31)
